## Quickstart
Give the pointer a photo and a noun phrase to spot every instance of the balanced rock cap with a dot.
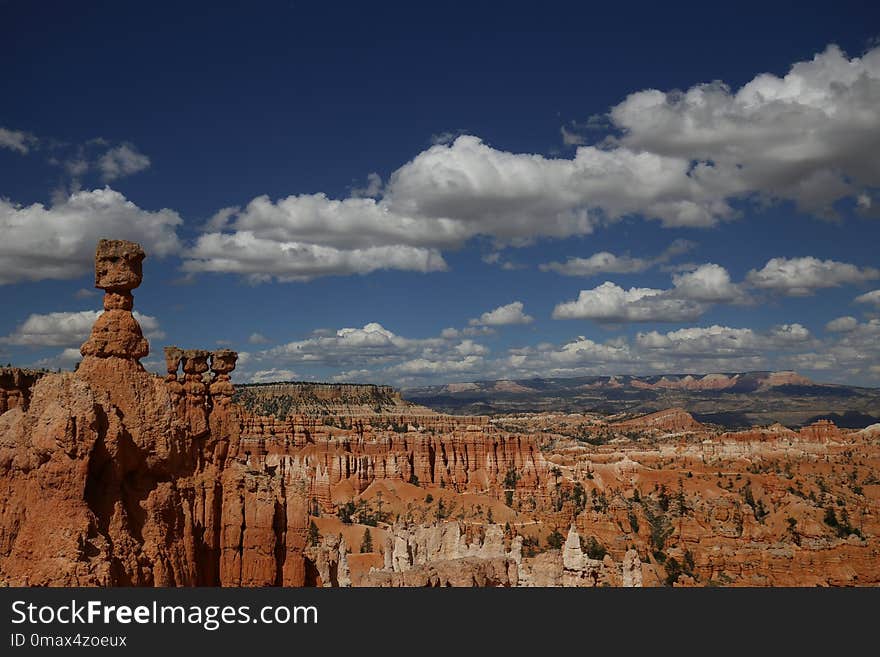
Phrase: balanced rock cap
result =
(118, 265)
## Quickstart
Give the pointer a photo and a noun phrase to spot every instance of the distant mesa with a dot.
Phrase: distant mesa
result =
(729, 399)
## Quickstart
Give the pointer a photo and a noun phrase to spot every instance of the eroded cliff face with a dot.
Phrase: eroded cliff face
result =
(112, 476)
(15, 387)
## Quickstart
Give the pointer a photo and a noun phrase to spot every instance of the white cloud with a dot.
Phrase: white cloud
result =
(61, 329)
(53, 329)
(611, 303)
(258, 338)
(583, 350)
(120, 161)
(869, 297)
(424, 366)
(355, 376)
(680, 157)
(470, 348)
(789, 334)
(712, 341)
(598, 263)
(722, 341)
(273, 375)
(709, 282)
(372, 189)
(802, 276)
(495, 258)
(811, 136)
(16, 140)
(58, 242)
(517, 197)
(512, 313)
(369, 353)
(604, 262)
(372, 343)
(375, 354)
(715, 342)
(261, 259)
(571, 138)
(842, 324)
(63, 360)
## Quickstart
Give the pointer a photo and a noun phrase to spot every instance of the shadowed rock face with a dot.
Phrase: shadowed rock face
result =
(15, 387)
(113, 476)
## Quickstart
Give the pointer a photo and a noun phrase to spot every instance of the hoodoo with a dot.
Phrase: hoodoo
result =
(113, 476)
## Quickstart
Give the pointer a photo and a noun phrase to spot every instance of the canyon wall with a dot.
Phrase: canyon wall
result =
(15, 387)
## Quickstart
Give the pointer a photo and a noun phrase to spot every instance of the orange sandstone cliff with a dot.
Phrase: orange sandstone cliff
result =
(112, 476)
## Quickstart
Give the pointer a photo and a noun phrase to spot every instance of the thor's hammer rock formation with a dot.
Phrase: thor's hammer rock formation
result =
(112, 476)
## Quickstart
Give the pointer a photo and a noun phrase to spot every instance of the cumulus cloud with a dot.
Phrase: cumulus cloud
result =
(63, 329)
(678, 157)
(842, 324)
(872, 297)
(722, 341)
(62, 360)
(709, 282)
(604, 262)
(849, 353)
(120, 161)
(516, 197)
(571, 138)
(423, 366)
(611, 303)
(374, 353)
(802, 276)
(372, 189)
(349, 347)
(16, 140)
(512, 313)
(369, 353)
(445, 196)
(810, 136)
(258, 338)
(58, 242)
(261, 259)
(273, 375)
(714, 341)
(583, 350)
(700, 349)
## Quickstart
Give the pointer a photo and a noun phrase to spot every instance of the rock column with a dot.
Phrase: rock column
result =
(195, 363)
(116, 333)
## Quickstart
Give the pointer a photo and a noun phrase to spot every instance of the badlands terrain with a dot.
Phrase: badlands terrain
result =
(111, 475)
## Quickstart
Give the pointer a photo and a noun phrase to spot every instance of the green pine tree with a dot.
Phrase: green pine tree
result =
(367, 543)
(313, 535)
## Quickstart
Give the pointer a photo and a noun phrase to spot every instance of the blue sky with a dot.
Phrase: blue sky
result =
(415, 195)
